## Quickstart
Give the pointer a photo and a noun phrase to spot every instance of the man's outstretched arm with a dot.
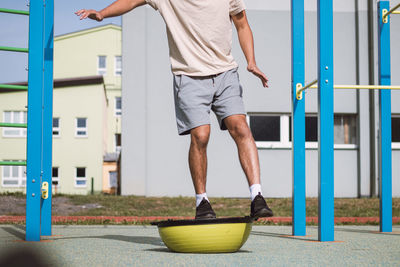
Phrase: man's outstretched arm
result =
(247, 44)
(117, 8)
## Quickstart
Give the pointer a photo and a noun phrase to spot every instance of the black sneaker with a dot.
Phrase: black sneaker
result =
(259, 208)
(204, 210)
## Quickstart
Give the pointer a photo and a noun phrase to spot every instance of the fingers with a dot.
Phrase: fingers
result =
(83, 14)
(261, 76)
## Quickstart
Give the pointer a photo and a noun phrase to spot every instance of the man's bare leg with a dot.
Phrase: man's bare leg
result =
(198, 170)
(198, 157)
(248, 154)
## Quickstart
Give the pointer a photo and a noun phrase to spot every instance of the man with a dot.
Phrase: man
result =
(205, 78)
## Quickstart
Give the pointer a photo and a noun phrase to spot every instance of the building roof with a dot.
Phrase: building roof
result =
(111, 157)
(65, 82)
(87, 31)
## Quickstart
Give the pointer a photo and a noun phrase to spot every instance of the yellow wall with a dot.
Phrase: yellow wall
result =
(76, 56)
(69, 151)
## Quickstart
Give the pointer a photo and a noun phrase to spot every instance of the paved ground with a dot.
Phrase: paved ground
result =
(142, 246)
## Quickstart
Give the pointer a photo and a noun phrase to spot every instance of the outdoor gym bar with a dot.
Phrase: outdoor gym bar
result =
(13, 86)
(14, 11)
(12, 163)
(13, 49)
(326, 114)
(13, 125)
(386, 13)
(300, 89)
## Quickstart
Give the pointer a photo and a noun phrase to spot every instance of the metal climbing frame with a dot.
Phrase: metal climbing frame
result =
(40, 106)
(325, 115)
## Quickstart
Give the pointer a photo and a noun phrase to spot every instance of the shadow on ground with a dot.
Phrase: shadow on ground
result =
(17, 233)
(156, 241)
(166, 250)
(284, 236)
(361, 231)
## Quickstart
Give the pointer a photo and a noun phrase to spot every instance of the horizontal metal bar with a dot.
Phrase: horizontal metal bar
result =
(370, 87)
(14, 11)
(299, 89)
(392, 11)
(14, 49)
(312, 85)
(13, 125)
(13, 86)
(12, 163)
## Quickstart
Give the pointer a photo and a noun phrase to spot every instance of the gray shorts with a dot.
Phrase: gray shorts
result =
(196, 96)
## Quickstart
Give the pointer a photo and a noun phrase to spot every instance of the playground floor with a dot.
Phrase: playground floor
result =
(118, 245)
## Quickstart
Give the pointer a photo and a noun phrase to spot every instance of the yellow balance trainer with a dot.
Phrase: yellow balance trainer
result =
(205, 236)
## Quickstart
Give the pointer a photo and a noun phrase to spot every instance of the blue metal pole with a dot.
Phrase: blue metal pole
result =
(48, 114)
(34, 136)
(385, 147)
(325, 121)
(298, 122)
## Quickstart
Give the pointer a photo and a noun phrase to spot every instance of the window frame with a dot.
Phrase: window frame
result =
(117, 71)
(284, 134)
(55, 179)
(78, 129)
(117, 148)
(395, 145)
(21, 131)
(100, 69)
(20, 179)
(56, 128)
(76, 179)
(117, 112)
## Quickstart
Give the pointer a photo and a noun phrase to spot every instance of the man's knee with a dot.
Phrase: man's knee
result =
(200, 136)
(240, 130)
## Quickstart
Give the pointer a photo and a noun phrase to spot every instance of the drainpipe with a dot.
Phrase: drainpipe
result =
(371, 72)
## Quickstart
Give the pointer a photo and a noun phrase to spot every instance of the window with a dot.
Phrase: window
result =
(101, 65)
(14, 176)
(270, 130)
(117, 142)
(118, 66)
(14, 117)
(274, 131)
(396, 131)
(80, 179)
(311, 130)
(81, 127)
(118, 106)
(345, 131)
(55, 177)
(56, 126)
(113, 179)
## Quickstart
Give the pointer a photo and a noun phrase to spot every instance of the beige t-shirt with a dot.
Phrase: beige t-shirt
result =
(199, 34)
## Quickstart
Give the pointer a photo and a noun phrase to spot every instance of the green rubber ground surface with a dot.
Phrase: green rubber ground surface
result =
(142, 246)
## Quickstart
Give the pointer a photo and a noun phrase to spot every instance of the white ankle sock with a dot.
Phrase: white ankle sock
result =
(254, 190)
(199, 198)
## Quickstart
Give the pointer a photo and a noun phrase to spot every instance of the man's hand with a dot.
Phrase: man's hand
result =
(247, 44)
(117, 8)
(89, 13)
(257, 72)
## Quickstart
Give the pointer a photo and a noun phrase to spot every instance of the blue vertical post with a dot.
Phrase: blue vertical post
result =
(298, 122)
(34, 136)
(48, 114)
(385, 146)
(325, 121)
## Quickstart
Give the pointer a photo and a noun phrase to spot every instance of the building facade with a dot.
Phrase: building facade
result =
(154, 157)
(86, 115)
